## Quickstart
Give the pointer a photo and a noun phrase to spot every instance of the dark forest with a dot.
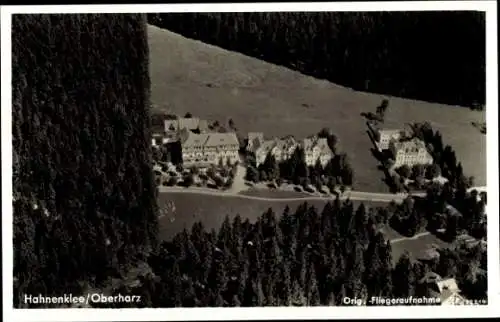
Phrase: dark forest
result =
(84, 194)
(430, 56)
(302, 257)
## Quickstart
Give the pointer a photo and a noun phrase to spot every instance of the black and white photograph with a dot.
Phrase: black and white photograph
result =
(176, 158)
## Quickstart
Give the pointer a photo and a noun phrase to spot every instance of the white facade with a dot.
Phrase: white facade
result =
(281, 149)
(317, 149)
(210, 148)
(386, 136)
(410, 153)
(255, 139)
(450, 293)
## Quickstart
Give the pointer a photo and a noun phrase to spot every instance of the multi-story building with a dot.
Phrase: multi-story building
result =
(285, 147)
(410, 153)
(192, 124)
(222, 147)
(317, 149)
(255, 139)
(282, 149)
(386, 136)
(445, 289)
(209, 148)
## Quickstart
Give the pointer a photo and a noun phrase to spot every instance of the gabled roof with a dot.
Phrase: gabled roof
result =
(449, 284)
(186, 123)
(195, 140)
(189, 123)
(315, 142)
(266, 146)
(255, 135)
(413, 145)
(390, 132)
(171, 125)
(221, 139)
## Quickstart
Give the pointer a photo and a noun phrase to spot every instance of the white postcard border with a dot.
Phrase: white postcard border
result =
(293, 313)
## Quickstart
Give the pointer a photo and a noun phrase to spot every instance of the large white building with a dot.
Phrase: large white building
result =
(255, 140)
(209, 148)
(317, 149)
(410, 153)
(191, 124)
(282, 149)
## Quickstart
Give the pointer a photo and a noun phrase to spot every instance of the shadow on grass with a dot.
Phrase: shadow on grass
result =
(370, 116)
(272, 186)
(377, 155)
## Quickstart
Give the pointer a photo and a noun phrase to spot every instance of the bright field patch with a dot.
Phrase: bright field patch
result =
(190, 76)
(416, 247)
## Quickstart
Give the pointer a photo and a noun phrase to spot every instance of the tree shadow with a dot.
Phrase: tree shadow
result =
(377, 155)
(479, 126)
(369, 116)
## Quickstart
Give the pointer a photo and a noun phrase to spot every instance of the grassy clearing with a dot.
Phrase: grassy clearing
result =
(415, 247)
(211, 210)
(213, 83)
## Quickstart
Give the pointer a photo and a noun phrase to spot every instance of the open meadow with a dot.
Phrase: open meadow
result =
(212, 83)
(416, 247)
(211, 210)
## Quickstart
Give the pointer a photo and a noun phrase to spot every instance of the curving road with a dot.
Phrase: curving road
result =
(417, 236)
(352, 195)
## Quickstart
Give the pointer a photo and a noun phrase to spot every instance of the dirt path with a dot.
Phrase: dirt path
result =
(239, 181)
(417, 236)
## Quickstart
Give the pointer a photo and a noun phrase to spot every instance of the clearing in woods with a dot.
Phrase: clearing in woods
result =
(212, 83)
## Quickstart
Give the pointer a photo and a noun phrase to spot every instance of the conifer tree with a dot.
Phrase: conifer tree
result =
(403, 277)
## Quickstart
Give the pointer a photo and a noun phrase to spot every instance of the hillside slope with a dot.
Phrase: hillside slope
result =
(376, 52)
(188, 75)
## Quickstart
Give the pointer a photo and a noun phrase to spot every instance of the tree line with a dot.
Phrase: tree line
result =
(306, 257)
(84, 195)
(443, 155)
(432, 56)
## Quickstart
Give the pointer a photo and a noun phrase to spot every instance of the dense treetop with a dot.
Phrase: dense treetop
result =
(85, 200)
(303, 257)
